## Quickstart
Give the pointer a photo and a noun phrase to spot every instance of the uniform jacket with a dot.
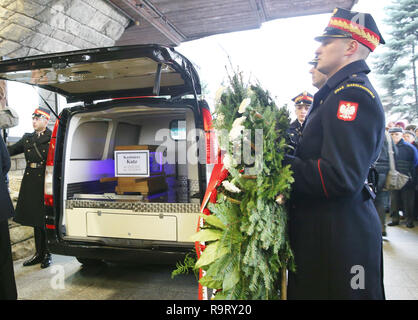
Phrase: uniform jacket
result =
(30, 204)
(334, 228)
(294, 133)
(6, 207)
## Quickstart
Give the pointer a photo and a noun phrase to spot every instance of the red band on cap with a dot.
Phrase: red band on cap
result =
(358, 32)
(42, 113)
(303, 98)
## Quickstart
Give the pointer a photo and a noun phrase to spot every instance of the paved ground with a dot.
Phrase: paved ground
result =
(151, 279)
(400, 249)
(67, 279)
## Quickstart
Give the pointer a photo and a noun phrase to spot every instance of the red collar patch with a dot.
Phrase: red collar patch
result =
(347, 111)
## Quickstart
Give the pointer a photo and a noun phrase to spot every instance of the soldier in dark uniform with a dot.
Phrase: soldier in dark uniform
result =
(7, 279)
(318, 78)
(303, 102)
(30, 204)
(334, 228)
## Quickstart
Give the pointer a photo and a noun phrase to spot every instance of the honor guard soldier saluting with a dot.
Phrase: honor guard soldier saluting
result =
(30, 204)
(334, 228)
(302, 102)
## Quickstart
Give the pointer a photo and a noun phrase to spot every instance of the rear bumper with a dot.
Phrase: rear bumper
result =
(92, 251)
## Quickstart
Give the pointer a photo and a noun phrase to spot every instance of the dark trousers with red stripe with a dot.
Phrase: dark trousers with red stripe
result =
(8, 289)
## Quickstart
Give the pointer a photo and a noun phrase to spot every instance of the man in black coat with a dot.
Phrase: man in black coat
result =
(406, 161)
(334, 228)
(302, 102)
(7, 279)
(30, 209)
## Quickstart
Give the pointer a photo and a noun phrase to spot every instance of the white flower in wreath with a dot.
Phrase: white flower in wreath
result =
(238, 121)
(228, 162)
(244, 104)
(230, 187)
(220, 119)
(218, 94)
(235, 133)
(237, 128)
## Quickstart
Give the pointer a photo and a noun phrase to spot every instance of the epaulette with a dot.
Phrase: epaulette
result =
(355, 82)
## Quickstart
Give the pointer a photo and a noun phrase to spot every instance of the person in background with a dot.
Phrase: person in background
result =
(406, 161)
(411, 127)
(410, 136)
(382, 200)
(318, 78)
(30, 210)
(302, 102)
(390, 124)
(7, 279)
(400, 124)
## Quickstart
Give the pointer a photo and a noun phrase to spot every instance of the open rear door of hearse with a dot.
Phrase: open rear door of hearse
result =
(105, 73)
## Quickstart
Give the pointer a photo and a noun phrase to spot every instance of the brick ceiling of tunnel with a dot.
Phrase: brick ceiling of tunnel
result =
(31, 27)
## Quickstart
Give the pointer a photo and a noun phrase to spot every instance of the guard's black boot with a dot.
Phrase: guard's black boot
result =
(39, 255)
(34, 260)
(46, 262)
(393, 223)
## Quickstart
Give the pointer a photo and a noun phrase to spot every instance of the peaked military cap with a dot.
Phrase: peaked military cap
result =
(303, 98)
(42, 112)
(356, 25)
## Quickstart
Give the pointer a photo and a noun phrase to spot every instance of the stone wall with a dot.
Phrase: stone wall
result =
(21, 237)
(31, 27)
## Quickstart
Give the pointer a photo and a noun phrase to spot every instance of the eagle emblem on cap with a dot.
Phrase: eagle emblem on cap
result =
(347, 111)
